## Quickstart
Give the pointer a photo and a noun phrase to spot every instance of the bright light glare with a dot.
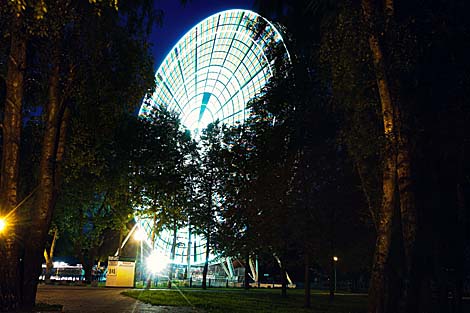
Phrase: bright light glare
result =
(335, 258)
(3, 224)
(139, 234)
(156, 262)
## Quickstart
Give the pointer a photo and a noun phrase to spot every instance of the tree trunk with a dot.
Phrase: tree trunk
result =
(188, 260)
(87, 263)
(59, 158)
(206, 263)
(10, 280)
(461, 235)
(58, 177)
(208, 237)
(383, 242)
(384, 227)
(48, 256)
(408, 215)
(42, 215)
(87, 267)
(49, 267)
(283, 280)
(12, 118)
(307, 280)
(64, 124)
(152, 240)
(408, 225)
(173, 254)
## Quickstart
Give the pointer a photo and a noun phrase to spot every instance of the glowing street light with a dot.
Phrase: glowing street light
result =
(139, 234)
(3, 224)
(156, 262)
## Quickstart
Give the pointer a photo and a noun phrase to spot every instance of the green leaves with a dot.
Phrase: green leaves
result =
(164, 163)
(105, 70)
(208, 180)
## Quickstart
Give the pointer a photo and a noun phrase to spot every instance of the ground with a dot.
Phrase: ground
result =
(223, 300)
(77, 299)
(99, 300)
(191, 300)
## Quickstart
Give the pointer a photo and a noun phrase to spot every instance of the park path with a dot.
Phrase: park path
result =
(77, 299)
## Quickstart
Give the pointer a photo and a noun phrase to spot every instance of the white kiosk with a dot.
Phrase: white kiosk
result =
(120, 272)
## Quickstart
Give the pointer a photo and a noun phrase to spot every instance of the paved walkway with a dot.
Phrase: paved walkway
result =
(98, 300)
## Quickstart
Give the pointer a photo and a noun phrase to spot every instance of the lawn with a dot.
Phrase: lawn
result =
(44, 307)
(256, 300)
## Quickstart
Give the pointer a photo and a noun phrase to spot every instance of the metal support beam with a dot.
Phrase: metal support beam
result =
(230, 267)
(224, 266)
(126, 239)
(257, 269)
(280, 265)
(254, 269)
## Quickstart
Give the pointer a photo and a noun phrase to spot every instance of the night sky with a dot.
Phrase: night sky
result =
(179, 19)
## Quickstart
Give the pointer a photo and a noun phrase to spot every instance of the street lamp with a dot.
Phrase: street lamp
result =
(3, 224)
(139, 236)
(335, 259)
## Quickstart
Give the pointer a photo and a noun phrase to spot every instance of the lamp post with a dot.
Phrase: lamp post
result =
(335, 259)
(139, 236)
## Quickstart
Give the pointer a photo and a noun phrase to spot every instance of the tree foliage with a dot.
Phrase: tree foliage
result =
(75, 70)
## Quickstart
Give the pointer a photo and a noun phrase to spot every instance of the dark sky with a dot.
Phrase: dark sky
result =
(179, 19)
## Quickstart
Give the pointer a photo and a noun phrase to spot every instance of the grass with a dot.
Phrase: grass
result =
(256, 300)
(44, 307)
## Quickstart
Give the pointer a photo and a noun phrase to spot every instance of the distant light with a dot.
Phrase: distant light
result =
(335, 258)
(139, 234)
(3, 224)
(156, 262)
(59, 264)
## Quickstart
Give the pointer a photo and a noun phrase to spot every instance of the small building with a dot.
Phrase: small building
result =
(121, 272)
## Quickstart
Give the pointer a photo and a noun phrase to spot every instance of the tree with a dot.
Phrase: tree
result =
(395, 146)
(390, 96)
(69, 46)
(11, 130)
(55, 128)
(237, 233)
(164, 165)
(48, 255)
(204, 215)
(317, 156)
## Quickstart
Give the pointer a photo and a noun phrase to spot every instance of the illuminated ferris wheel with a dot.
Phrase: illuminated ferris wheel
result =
(215, 69)
(211, 73)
